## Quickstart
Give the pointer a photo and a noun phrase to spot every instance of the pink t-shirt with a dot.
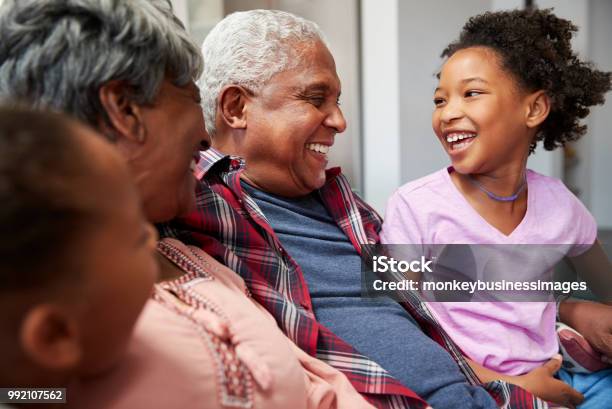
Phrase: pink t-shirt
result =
(508, 337)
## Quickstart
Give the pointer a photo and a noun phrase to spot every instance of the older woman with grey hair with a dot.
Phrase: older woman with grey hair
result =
(127, 68)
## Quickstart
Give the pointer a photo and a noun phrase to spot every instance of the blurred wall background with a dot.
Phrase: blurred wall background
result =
(387, 54)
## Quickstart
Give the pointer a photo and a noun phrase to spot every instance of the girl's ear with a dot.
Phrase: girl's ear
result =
(50, 338)
(232, 107)
(537, 109)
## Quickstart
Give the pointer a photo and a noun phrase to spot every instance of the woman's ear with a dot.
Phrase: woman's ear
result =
(232, 108)
(538, 108)
(124, 114)
(50, 338)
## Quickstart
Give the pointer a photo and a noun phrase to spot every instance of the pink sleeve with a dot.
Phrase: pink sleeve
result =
(585, 228)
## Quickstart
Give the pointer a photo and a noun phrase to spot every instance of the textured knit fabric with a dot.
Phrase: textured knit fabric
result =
(177, 359)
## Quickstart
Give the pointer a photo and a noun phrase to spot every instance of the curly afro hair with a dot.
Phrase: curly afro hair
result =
(534, 46)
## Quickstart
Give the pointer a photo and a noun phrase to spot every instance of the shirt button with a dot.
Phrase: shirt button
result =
(234, 164)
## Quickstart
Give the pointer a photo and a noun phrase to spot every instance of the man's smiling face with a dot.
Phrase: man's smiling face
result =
(291, 125)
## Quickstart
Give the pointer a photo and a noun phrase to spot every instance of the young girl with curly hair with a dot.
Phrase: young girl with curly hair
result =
(509, 82)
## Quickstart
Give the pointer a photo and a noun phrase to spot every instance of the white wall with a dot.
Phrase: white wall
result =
(425, 28)
(591, 174)
(381, 103)
(552, 162)
(599, 137)
(181, 10)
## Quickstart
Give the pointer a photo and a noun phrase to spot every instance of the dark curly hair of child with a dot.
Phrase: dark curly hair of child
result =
(534, 46)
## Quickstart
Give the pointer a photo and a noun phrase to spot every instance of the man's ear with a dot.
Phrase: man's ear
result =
(537, 109)
(124, 114)
(50, 338)
(233, 106)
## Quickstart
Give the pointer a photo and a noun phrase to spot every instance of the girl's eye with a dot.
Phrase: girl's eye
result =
(472, 93)
(438, 101)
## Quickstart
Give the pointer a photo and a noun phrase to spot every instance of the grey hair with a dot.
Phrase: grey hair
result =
(58, 53)
(248, 48)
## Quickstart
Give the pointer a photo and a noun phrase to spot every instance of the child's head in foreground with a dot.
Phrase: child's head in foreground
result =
(510, 81)
(77, 257)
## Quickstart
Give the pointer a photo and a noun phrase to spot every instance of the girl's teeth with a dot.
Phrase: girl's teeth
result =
(459, 137)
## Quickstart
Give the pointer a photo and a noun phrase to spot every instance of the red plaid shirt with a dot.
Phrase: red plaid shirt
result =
(230, 226)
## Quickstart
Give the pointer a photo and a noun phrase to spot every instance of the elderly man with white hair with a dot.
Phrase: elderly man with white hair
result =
(269, 210)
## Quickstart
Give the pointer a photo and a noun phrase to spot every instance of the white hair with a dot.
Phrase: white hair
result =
(248, 48)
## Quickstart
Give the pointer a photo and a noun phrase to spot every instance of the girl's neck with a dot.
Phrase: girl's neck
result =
(505, 216)
(489, 189)
(503, 182)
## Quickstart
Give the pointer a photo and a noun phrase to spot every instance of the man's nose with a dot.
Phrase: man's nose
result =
(336, 120)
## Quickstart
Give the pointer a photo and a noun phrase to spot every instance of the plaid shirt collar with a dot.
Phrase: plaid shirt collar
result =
(229, 225)
(211, 157)
(232, 163)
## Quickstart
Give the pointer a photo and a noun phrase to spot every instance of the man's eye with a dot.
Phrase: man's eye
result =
(472, 93)
(316, 101)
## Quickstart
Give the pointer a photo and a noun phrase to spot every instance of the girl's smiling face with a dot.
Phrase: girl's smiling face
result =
(481, 113)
